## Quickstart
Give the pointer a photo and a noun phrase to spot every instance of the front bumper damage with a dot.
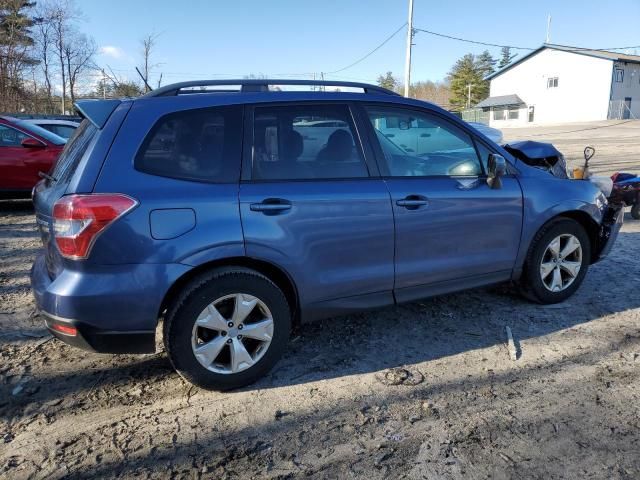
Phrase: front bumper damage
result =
(612, 221)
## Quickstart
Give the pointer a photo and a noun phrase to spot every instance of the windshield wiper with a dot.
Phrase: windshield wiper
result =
(47, 176)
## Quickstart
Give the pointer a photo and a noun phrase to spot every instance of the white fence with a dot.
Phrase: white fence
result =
(476, 115)
(619, 110)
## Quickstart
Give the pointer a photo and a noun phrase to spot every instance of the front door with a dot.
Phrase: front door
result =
(626, 114)
(19, 165)
(309, 205)
(451, 227)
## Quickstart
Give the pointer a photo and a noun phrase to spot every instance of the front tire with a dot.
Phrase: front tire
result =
(557, 262)
(227, 329)
(635, 210)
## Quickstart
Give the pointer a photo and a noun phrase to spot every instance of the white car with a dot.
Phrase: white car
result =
(62, 128)
(491, 133)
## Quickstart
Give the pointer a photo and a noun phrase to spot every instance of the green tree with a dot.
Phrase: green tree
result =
(388, 81)
(467, 79)
(16, 42)
(486, 64)
(464, 75)
(506, 57)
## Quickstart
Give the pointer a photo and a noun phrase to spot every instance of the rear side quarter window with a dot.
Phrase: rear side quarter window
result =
(202, 145)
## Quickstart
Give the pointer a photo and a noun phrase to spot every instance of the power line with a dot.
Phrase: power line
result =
(450, 37)
(371, 52)
(488, 44)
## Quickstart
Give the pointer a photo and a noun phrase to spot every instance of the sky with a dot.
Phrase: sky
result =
(199, 39)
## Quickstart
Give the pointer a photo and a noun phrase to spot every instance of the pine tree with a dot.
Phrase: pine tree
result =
(486, 64)
(470, 72)
(388, 81)
(506, 57)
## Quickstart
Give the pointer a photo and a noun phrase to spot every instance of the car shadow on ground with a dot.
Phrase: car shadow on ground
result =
(376, 341)
(250, 449)
(16, 206)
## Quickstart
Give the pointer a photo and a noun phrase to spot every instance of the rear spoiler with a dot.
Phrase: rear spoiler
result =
(97, 111)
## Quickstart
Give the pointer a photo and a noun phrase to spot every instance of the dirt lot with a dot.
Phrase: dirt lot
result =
(424, 390)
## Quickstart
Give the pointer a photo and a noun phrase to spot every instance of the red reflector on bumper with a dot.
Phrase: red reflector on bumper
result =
(67, 330)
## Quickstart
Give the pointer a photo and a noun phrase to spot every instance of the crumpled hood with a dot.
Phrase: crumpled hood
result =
(540, 155)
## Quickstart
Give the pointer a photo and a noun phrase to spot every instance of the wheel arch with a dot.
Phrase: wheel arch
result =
(273, 272)
(584, 219)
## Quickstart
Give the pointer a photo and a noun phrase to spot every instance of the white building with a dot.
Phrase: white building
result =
(559, 84)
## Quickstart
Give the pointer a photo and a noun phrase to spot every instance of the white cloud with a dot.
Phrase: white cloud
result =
(112, 51)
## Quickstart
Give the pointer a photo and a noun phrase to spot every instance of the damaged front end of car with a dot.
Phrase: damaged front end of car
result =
(545, 156)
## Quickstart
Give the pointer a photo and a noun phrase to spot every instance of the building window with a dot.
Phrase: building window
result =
(499, 113)
(619, 75)
(513, 113)
(552, 82)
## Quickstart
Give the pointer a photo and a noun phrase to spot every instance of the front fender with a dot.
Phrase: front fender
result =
(546, 198)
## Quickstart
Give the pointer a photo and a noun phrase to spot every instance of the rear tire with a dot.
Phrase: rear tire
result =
(635, 211)
(204, 344)
(551, 277)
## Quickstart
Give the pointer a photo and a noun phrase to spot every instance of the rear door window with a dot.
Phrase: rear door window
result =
(200, 145)
(305, 142)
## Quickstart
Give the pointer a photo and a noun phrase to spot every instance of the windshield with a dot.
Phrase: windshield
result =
(44, 133)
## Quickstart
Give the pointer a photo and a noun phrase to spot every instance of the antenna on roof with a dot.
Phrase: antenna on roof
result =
(548, 40)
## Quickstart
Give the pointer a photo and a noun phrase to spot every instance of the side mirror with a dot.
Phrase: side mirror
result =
(497, 169)
(30, 142)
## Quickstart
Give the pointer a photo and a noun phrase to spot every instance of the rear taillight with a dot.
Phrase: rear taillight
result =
(79, 219)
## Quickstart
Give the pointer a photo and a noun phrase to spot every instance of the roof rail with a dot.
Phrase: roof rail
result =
(255, 85)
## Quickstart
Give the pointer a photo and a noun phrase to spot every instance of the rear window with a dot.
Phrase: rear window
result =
(202, 145)
(74, 150)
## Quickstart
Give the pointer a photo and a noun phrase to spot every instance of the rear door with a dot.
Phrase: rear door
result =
(312, 202)
(450, 225)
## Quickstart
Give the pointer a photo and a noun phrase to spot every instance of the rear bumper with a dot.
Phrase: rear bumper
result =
(93, 339)
(113, 308)
(611, 224)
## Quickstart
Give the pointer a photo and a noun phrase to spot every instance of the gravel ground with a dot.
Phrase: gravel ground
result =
(424, 390)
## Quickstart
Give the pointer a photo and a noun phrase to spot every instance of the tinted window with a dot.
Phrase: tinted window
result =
(10, 137)
(305, 142)
(201, 145)
(419, 144)
(74, 150)
(43, 132)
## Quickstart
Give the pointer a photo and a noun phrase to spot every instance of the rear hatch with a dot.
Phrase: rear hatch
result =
(49, 190)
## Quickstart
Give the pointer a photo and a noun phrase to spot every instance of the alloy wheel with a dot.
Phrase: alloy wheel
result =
(561, 262)
(232, 333)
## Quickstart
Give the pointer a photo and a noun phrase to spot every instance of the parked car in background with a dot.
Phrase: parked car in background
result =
(26, 150)
(491, 133)
(62, 128)
(235, 215)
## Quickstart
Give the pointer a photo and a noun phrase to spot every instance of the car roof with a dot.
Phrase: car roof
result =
(204, 93)
(39, 121)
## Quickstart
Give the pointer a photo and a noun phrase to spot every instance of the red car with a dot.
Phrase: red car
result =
(25, 151)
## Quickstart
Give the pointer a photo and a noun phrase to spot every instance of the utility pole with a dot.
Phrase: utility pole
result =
(469, 95)
(548, 40)
(104, 85)
(407, 62)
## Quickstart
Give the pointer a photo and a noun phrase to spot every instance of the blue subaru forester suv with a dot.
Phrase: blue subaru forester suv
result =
(233, 210)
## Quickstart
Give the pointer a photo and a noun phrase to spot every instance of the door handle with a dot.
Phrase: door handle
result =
(413, 202)
(270, 206)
